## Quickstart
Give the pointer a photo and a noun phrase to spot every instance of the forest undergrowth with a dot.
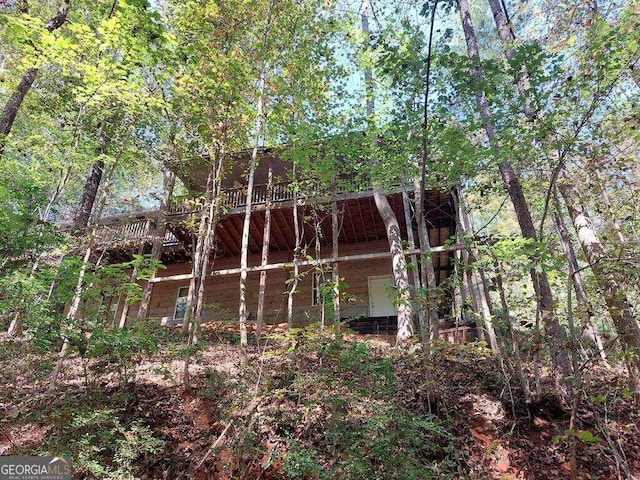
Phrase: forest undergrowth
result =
(311, 405)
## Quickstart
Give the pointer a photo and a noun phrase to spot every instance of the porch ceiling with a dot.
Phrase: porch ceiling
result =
(358, 219)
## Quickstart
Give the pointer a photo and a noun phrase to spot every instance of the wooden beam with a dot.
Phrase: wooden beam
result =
(256, 230)
(302, 263)
(373, 209)
(361, 217)
(222, 240)
(276, 229)
(288, 227)
(230, 225)
(347, 208)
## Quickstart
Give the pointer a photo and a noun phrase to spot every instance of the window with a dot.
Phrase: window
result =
(181, 303)
(322, 288)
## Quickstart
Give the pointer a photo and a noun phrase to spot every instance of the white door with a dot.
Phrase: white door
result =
(381, 293)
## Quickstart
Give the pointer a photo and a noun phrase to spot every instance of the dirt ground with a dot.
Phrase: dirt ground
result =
(250, 419)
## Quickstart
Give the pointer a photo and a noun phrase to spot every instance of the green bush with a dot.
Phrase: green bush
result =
(102, 447)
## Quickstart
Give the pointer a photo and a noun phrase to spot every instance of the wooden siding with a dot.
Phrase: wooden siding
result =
(222, 291)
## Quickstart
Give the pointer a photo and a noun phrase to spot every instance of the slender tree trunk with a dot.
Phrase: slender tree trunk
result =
(475, 306)
(335, 274)
(14, 326)
(243, 311)
(296, 254)
(320, 276)
(10, 110)
(124, 315)
(517, 360)
(422, 317)
(477, 284)
(168, 182)
(427, 273)
(71, 315)
(457, 291)
(607, 203)
(75, 303)
(264, 260)
(507, 36)
(589, 329)
(204, 244)
(617, 303)
(555, 335)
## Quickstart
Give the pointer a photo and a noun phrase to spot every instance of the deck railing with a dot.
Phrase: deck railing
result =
(136, 230)
(236, 197)
(129, 231)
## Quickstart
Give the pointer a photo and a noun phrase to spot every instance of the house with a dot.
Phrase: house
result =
(358, 248)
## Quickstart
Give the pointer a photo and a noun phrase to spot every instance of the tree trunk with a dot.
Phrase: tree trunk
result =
(555, 335)
(296, 254)
(204, 243)
(427, 273)
(71, 315)
(335, 274)
(75, 303)
(589, 329)
(266, 240)
(507, 36)
(89, 192)
(617, 303)
(613, 219)
(423, 321)
(399, 264)
(243, 311)
(477, 282)
(168, 182)
(124, 315)
(12, 106)
(320, 275)
(517, 363)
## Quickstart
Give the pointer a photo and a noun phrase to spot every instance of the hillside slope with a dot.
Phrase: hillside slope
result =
(311, 406)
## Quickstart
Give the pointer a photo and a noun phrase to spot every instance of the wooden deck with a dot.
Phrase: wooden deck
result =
(388, 325)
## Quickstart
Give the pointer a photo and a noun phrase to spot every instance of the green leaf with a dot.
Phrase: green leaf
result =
(587, 437)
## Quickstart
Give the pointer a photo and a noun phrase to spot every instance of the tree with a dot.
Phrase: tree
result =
(555, 335)
(12, 106)
(615, 298)
(399, 265)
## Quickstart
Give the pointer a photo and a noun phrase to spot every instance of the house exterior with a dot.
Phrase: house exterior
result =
(358, 249)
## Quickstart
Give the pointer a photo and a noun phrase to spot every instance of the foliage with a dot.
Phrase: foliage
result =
(104, 447)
